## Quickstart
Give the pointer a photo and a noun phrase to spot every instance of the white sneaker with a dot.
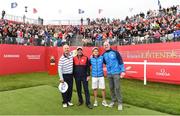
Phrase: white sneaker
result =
(111, 104)
(64, 105)
(104, 103)
(95, 103)
(120, 107)
(70, 104)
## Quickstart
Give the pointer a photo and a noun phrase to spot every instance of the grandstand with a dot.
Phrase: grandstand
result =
(155, 26)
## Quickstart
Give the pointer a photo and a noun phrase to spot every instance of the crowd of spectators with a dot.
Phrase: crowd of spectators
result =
(37, 35)
(154, 26)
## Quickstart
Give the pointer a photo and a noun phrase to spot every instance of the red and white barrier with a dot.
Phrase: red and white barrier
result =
(162, 72)
(149, 62)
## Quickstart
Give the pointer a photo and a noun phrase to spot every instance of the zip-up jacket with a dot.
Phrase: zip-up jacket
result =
(81, 66)
(97, 66)
(114, 62)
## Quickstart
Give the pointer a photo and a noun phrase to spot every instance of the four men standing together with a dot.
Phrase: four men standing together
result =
(79, 67)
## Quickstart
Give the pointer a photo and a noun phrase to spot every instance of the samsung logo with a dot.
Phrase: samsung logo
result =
(11, 56)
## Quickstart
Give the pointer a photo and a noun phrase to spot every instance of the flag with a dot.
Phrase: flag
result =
(34, 11)
(14, 4)
(159, 4)
(100, 10)
(80, 11)
(59, 11)
(26, 9)
(130, 9)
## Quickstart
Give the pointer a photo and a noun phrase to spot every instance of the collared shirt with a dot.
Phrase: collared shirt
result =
(65, 65)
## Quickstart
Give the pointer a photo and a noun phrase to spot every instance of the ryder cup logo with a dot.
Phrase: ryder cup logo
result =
(63, 87)
(163, 73)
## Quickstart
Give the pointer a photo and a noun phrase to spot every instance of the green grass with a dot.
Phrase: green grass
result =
(155, 96)
(18, 81)
(45, 100)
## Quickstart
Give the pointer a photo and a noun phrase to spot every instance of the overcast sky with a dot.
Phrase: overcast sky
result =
(68, 9)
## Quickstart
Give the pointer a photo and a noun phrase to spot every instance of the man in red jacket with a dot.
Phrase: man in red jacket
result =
(81, 71)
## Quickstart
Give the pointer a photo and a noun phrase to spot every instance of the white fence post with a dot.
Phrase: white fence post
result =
(145, 63)
(145, 78)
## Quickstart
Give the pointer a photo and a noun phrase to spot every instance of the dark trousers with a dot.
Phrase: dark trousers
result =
(79, 82)
(68, 78)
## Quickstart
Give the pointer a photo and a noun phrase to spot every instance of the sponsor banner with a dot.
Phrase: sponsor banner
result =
(158, 53)
(167, 74)
(134, 71)
(22, 59)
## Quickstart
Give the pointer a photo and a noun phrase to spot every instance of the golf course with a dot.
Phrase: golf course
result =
(38, 94)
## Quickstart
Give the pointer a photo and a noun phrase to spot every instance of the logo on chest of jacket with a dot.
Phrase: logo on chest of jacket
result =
(82, 60)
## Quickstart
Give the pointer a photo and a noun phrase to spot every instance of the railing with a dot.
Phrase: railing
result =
(46, 22)
(145, 63)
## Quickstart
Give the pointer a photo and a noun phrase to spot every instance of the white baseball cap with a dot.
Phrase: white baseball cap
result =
(95, 48)
(79, 47)
(63, 87)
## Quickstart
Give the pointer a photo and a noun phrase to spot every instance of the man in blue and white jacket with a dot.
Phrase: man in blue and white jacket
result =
(97, 76)
(115, 71)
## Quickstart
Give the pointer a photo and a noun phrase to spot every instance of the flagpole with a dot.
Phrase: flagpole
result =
(59, 12)
(99, 13)
(159, 4)
(25, 14)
